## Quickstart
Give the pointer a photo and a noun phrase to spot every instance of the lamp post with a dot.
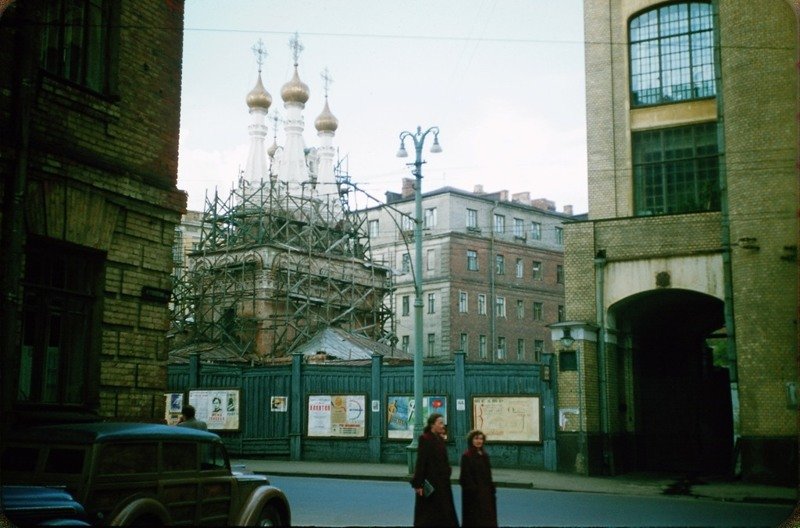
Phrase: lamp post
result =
(418, 138)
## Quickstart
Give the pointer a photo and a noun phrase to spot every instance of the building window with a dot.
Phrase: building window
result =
(430, 218)
(404, 343)
(463, 302)
(559, 236)
(675, 170)
(536, 270)
(519, 228)
(559, 274)
(500, 305)
(406, 265)
(430, 259)
(538, 349)
(520, 267)
(481, 304)
(464, 343)
(373, 228)
(538, 311)
(472, 260)
(431, 345)
(536, 231)
(406, 223)
(672, 54)
(78, 42)
(59, 322)
(520, 309)
(500, 265)
(501, 347)
(472, 219)
(431, 303)
(520, 349)
(561, 314)
(482, 346)
(406, 304)
(499, 223)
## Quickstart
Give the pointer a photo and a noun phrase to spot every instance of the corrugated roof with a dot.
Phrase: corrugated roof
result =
(339, 344)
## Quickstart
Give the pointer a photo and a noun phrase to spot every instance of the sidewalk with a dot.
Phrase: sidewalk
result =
(637, 484)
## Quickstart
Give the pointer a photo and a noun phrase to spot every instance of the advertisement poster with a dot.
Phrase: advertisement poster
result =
(337, 416)
(172, 408)
(279, 403)
(219, 409)
(507, 418)
(400, 414)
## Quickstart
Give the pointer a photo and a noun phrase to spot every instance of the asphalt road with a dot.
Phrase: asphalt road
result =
(345, 502)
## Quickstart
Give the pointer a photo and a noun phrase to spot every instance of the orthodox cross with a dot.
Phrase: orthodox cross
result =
(296, 47)
(327, 81)
(260, 52)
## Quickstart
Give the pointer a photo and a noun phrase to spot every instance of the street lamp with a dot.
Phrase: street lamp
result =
(418, 138)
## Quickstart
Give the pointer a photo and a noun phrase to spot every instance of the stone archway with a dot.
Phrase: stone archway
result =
(682, 417)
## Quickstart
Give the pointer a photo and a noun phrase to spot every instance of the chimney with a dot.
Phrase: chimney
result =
(478, 189)
(521, 197)
(568, 210)
(503, 196)
(544, 203)
(408, 188)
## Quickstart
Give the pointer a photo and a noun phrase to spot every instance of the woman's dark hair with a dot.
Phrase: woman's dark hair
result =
(432, 420)
(472, 434)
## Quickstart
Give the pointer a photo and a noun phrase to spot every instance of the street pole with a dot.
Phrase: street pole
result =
(419, 139)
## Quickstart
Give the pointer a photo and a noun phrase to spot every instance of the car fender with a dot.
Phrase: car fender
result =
(138, 508)
(259, 498)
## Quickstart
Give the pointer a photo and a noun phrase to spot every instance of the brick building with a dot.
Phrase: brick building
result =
(90, 103)
(681, 288)
(492, 271)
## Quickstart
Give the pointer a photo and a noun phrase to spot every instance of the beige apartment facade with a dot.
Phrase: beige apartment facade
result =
(681, 288)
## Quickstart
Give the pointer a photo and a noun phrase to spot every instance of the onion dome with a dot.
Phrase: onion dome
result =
(326, 121)
(295, 91)
(259, 97)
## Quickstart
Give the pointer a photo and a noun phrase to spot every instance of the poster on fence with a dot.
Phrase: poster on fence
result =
(339, 415)
(173, 406)
(219, 408)
(507, 418)
(400, 414)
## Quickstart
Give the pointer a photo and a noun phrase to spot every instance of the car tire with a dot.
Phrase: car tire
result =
(269, 516)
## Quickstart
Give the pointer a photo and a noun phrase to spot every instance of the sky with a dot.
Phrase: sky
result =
(502, 79)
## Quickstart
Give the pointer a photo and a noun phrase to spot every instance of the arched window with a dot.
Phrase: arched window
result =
(672, 54)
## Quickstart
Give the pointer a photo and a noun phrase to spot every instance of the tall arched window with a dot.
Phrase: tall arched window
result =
(672, 54)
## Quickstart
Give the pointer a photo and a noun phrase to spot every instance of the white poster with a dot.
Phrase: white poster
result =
(337, 415)
(219, 409)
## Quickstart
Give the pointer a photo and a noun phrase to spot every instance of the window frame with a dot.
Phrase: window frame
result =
(463, 302)
(472, 260)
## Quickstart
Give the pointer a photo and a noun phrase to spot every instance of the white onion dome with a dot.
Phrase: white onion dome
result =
(259, 97)
(272, 149)
(295, 91)
(326, 121)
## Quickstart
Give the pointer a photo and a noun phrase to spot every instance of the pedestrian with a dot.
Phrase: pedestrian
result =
(478, 498)
(187, 419)
(433, 500)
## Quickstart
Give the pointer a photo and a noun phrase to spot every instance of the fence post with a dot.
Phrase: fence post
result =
(194, 370)
(460, 390)
(376, 422)
(296, 408)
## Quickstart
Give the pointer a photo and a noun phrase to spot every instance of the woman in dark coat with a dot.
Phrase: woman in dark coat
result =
(478, 502)
(438, 508)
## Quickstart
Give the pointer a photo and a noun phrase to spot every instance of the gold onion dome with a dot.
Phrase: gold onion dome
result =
(326, 121)
(295, 91)
(259, 97)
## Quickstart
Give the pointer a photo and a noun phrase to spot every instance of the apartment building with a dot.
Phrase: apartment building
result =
(492, 273)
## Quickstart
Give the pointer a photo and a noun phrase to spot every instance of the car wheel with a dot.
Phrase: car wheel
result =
(269, 517)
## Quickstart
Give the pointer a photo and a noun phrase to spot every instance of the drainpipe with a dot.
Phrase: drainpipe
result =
(492, 300)
(602, 374)
(725, 238)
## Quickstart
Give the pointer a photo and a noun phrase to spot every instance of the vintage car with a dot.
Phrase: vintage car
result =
(132, 474)
(39, 506)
